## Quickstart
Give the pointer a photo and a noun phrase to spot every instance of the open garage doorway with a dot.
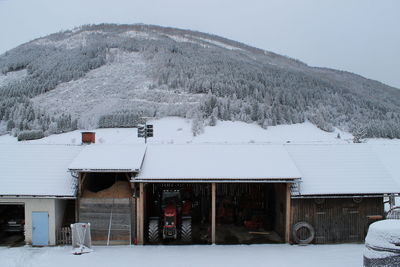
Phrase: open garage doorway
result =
(12, 225)
(177, 213)
(250, 213)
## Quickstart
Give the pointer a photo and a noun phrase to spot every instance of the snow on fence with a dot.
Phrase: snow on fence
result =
(64, 236)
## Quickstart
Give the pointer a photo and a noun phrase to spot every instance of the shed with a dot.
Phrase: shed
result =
(223, 177)
(342, 189)
(35, 179)
(105, 196)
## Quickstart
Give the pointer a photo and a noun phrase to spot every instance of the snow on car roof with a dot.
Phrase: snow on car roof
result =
(126, 158)
(341, 169)
(37, 170)
(217, 161)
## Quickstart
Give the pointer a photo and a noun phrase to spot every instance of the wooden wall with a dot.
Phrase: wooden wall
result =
(97, 211)
(280, 209)
(337, 220)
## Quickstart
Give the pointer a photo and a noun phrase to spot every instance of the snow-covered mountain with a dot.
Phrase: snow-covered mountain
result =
(114, 75)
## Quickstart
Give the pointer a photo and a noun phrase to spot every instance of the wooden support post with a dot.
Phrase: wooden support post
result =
(81, 180)
(140, 215)
(78, 195)
(288, 217)
(213, 210)
(76, 210)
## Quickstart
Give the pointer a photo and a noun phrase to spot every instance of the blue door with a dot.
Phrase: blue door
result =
(40, 228)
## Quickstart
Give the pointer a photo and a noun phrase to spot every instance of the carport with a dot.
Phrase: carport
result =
(246, 190)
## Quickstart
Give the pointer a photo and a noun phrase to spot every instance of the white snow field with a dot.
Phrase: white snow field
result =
(178, 130)
(282, 255)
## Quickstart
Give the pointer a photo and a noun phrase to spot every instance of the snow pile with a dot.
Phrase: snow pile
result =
(383, 235)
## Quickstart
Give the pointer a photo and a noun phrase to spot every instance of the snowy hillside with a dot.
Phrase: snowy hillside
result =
(178, 130)
(113, 75)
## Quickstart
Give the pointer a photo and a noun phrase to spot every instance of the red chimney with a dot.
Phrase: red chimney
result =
(88, 137)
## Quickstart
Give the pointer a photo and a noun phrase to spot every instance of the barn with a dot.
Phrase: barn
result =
(342, 190)
(35, 191)
(212, 193)
(228, 186)
(252, 193)
(105, 196)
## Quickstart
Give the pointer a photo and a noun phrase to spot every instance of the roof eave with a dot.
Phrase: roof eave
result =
(15, 196)
(104, 170)
(215, 180)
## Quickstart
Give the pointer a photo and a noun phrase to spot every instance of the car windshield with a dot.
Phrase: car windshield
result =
(169, 220)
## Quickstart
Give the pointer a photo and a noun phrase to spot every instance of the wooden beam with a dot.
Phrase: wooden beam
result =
(80, 182)
(213, 210)
(288, 216)
(76, 210)
(137, 218)
(140, 215)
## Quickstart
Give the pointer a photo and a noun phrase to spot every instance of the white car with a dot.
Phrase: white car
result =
(382, 244)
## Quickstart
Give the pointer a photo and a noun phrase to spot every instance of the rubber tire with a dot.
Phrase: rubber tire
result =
(186, 230)
(297, 227)
(154, 231)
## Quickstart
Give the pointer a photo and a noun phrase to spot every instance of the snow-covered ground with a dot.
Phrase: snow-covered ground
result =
(349, 255)
(178, 130)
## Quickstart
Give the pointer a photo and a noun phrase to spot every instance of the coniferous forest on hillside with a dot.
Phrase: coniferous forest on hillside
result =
(155, 72)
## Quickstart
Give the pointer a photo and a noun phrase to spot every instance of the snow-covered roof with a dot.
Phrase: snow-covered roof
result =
(37, 170)
(390, 157)
(217, 162)
(341, 169)
(123, 158)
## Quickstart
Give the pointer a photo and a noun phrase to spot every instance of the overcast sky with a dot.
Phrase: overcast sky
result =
(361, 36)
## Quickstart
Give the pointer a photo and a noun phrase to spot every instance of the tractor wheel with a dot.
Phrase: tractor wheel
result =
(186, 231)
(154, 231)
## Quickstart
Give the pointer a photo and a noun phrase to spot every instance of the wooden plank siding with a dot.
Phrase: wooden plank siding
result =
(337, 220)
(97, 211)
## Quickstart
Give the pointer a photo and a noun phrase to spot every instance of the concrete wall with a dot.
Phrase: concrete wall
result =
(55, 208)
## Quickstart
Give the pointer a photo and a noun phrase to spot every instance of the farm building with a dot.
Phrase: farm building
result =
(200, 193)
(263, 193)
(105, 195)
(36, 190)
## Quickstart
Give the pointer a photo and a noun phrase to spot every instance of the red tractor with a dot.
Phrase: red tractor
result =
(176, 221)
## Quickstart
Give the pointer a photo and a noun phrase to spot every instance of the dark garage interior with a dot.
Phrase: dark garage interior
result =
(192, 200)
(12, 223)
(250, 213)
(246, 213)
